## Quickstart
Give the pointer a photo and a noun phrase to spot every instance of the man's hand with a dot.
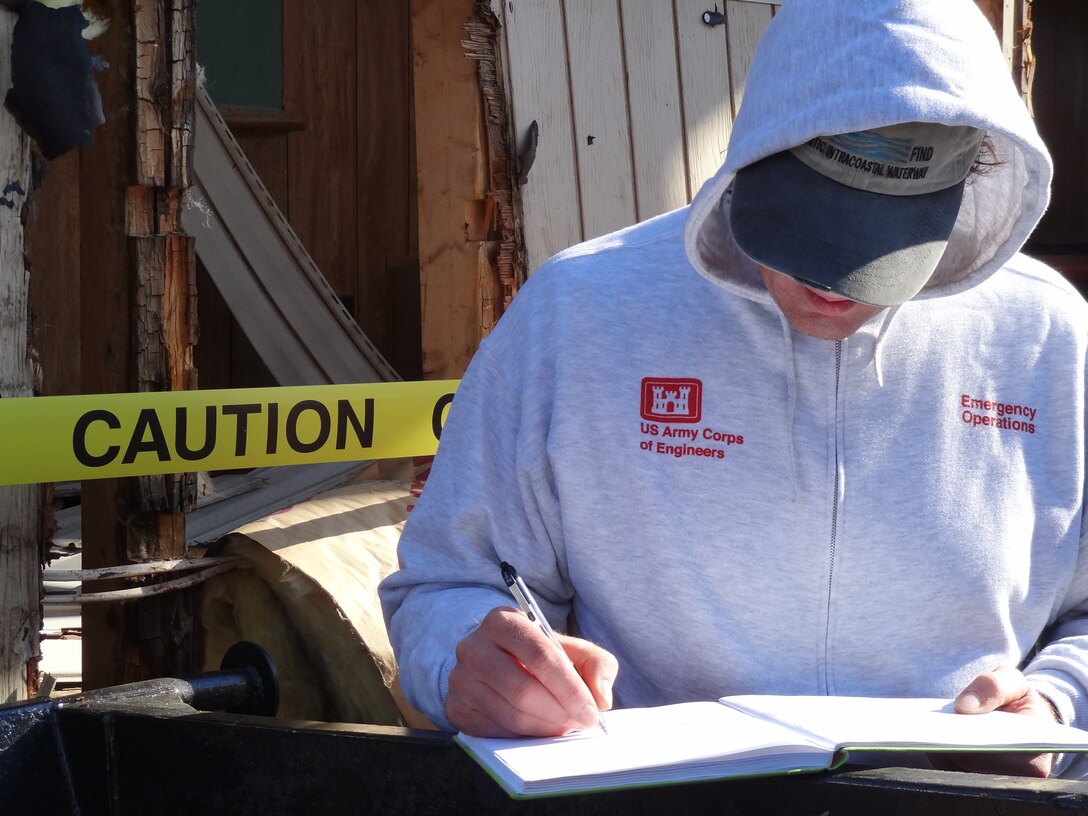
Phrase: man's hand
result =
(510, 680)
(1003, 689)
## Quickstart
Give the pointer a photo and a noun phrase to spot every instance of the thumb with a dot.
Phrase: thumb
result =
(1002, 688)
(597, 666)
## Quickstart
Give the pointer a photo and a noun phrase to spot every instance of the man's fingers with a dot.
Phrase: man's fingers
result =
(477, 708)
(1003, 688)
(492, 672)
(596, 666)
(509, 678)
(546, 667)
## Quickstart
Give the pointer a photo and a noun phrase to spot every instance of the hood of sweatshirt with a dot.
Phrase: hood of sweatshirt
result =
(825, 67)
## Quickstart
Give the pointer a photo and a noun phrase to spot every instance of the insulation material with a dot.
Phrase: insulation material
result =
(310, 600)
(53, 93)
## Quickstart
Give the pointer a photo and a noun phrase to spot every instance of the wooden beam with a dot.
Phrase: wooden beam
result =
(52, 239)
(319, 86)
(385, 189)
(104, 294)
(498, 216)
(163, 327)
(448, 166)
(139, 326)
(20, 505)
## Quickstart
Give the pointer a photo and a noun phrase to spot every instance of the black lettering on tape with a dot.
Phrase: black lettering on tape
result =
(272, 437)
(147, 424)
(325, 425)
(438, 415)
(345, 413)
(79, 438)
(242, 412)
(181, 434)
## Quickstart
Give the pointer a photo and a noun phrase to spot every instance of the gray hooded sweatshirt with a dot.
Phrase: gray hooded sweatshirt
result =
(732, 507)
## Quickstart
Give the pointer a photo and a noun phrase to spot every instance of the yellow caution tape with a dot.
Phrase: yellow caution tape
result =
(56, 439)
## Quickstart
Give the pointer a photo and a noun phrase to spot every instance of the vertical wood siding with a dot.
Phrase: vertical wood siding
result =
(634, 101)
(536, 42)
(602, 130)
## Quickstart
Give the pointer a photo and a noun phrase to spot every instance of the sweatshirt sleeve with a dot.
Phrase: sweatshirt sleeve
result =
(489, 497)
(1060, 669)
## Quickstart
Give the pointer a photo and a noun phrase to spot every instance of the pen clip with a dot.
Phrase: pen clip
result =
(509, 574)
(526, 601)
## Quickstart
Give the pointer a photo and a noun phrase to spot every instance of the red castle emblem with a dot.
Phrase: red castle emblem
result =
(672, 399)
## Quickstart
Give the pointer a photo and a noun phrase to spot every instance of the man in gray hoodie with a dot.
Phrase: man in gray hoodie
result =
(821, 432)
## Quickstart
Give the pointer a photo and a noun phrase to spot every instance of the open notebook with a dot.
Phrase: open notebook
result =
(750, 736)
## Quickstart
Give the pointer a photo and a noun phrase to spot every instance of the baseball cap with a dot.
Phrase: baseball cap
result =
(866, 215)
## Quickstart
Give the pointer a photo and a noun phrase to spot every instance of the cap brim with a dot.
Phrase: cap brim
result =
(870, 247)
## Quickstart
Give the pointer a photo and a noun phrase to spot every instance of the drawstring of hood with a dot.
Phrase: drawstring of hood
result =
(878, 344)
(791, 402)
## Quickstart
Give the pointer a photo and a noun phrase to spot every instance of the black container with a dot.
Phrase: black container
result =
(147, 748)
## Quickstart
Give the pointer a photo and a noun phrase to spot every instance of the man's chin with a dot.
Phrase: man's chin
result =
(826, 328)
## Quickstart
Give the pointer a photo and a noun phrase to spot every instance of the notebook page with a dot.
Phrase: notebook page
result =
(868, 722)
(675, 735)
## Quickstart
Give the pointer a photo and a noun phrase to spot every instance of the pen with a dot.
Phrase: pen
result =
(520, 590)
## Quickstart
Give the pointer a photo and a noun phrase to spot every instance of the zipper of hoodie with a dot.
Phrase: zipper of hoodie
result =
(834, 523)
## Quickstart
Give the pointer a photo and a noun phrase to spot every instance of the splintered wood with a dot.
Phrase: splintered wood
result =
(164, 307)
(502, 209)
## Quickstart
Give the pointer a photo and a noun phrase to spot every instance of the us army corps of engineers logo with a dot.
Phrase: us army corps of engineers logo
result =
(672, 412)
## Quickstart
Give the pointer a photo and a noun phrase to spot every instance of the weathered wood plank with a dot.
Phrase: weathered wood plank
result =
(448, 154)
(144, 342)
(704, 77)
(539, 91)
(20, 505)
(602, 136)
(661, 174)
(495, 219)
(105, 173)
(183, 93)
(385, 186)
(164, 316)
(52, 239)
(320, 85)
(152, 75)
